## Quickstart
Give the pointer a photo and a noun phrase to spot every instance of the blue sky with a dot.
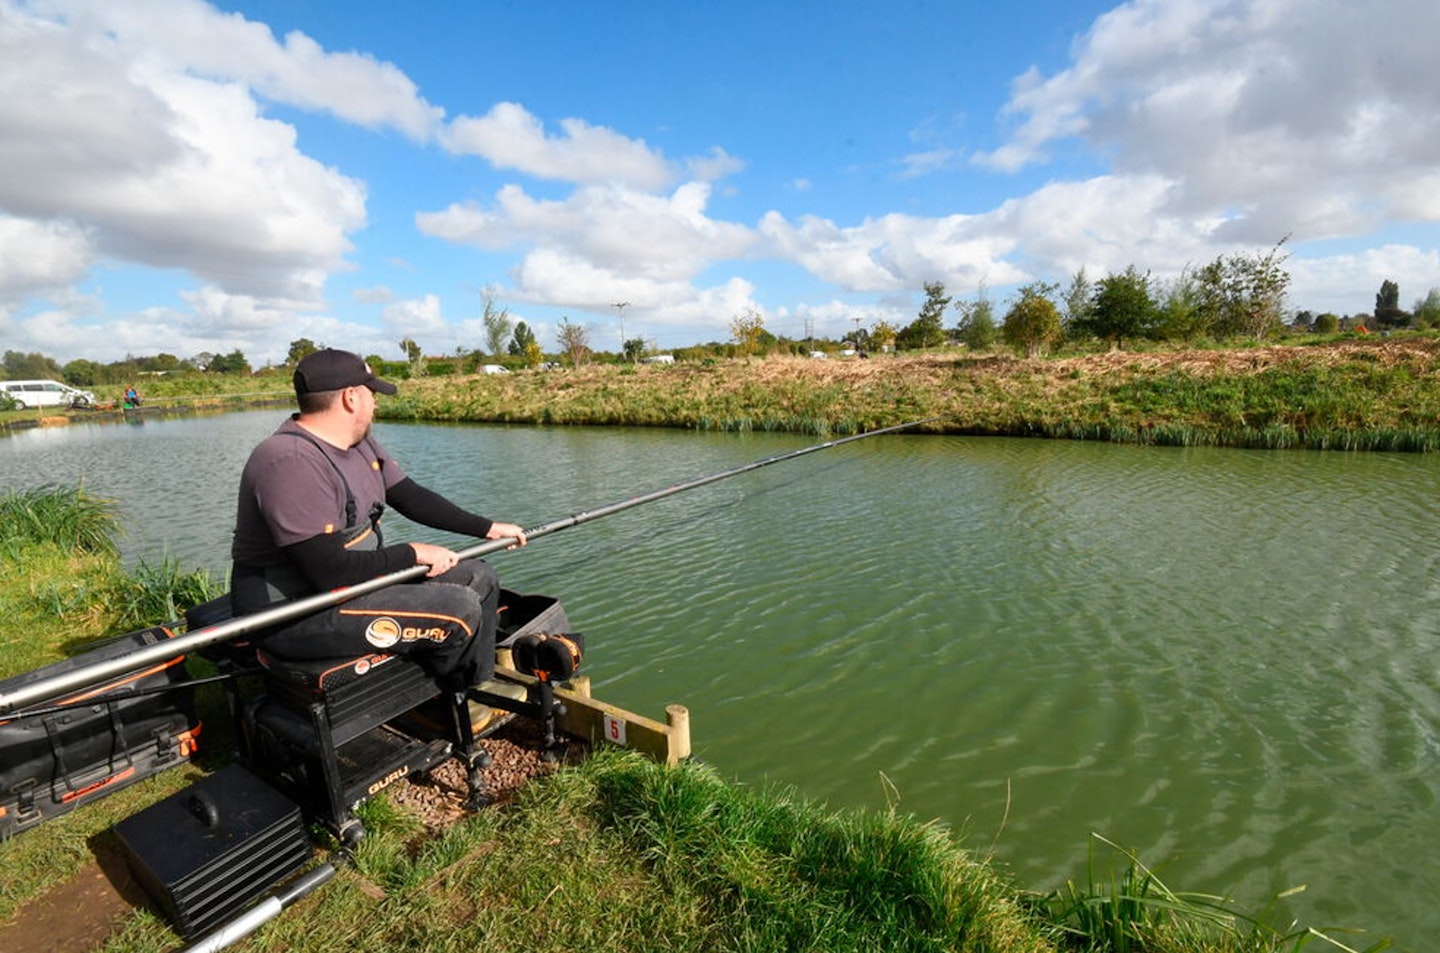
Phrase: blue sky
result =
(186, 177)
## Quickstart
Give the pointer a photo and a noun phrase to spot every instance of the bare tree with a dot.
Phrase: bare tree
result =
(574, 341)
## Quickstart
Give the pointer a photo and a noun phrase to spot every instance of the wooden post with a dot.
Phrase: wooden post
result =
(678, 718)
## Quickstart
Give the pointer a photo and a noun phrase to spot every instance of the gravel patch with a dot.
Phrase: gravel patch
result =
(516, 752)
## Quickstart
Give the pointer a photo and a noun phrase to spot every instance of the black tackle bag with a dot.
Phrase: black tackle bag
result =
(75, 748)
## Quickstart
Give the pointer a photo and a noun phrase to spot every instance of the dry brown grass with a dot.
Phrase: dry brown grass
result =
(1242, 361)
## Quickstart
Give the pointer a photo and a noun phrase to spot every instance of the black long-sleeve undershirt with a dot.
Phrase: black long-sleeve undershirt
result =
(429, 508)
(329, 565)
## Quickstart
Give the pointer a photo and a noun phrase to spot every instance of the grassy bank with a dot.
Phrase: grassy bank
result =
(1351, 395)
(1347, 394)
(616, 853)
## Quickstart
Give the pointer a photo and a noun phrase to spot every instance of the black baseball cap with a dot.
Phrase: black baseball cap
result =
(336, 370)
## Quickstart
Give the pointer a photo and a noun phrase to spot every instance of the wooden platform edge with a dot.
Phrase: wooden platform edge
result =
(596, 721)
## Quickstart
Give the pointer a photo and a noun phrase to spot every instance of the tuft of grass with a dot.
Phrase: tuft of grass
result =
(1135, 912)
(158, 592)
(771, 871)
(69, 519)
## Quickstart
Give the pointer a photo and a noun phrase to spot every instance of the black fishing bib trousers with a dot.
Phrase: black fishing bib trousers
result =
(446, 623)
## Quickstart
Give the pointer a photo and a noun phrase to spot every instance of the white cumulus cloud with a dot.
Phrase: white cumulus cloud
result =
(510, 137)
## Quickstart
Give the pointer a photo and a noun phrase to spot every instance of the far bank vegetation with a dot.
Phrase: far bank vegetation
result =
(1207, 358)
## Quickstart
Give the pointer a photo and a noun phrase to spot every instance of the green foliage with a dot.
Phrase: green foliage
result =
(232, 363)
(1078, 299)
(415, 356)
(82, 373)
(927, 330)
(1427, 310)
(633, 350)
(977, 329)
(20, 366)
(498, 326)
(574, 342)
(1177, 309)
(1388, 313)
(1032, 324)
(299, 349)
(747, 330)
(881, 336)
(1122, 308)
(1135, 912)
(70, 519)
(522, 341)
(89, 374)
(150, 594)
(1243, 294)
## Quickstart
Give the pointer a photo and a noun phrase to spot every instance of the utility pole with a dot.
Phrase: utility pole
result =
(621, 306)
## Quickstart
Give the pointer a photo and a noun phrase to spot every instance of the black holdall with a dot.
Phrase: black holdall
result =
(78, 747)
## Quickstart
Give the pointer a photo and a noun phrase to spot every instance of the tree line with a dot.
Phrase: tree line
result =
(82, 372)
(1240, 296)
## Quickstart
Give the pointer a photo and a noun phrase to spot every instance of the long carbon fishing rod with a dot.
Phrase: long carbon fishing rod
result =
(94, 674)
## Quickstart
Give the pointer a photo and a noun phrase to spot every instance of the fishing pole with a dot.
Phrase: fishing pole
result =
(85, 676)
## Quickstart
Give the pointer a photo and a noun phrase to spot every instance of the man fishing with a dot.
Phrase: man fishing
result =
(308, 520)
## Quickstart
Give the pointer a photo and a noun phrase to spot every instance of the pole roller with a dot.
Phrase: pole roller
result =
(266, 910)
(84, 677)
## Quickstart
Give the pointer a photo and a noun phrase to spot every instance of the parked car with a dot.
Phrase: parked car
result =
(494, 369)
(26, 394)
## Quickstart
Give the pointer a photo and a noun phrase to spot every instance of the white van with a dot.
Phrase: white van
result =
(27, 394)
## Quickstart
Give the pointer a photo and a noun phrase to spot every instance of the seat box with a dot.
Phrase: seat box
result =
(66, 751)
(204, 853)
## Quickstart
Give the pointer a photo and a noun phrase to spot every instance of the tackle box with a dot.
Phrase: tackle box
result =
(204, 853)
